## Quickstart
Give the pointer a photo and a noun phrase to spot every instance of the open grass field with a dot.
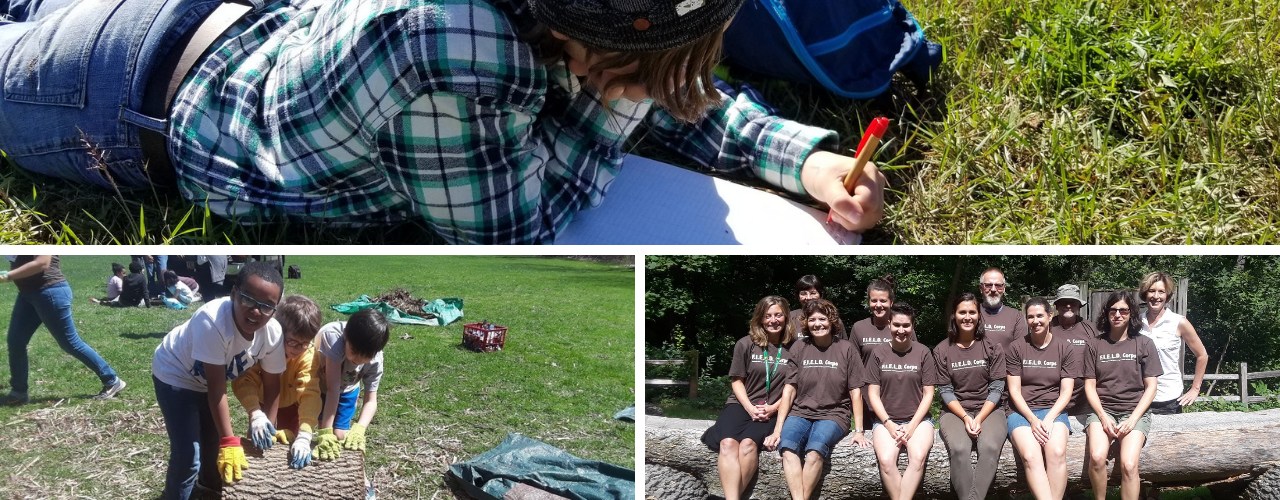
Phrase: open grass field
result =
(567, 368)
(1051, 121)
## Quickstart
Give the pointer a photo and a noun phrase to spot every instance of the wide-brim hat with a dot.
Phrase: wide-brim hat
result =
(635, 25)
(1069, 292)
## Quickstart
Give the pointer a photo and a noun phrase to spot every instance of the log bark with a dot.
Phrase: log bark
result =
(270, 477)
(1186, 449)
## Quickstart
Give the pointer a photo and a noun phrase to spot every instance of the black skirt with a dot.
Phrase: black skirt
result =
(734, 422)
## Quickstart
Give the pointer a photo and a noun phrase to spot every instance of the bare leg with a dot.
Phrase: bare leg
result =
(1055, 459)
(730, 468)
(1097, 442)
(1033, 460)
(812, 472)
(917, 453)
(1130, 452)
(792, 470)
(887, 456)
(748, 458)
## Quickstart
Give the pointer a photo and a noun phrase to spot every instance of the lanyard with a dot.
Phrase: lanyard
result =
(768, 371)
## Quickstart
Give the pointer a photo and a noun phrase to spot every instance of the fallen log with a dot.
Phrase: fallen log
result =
(269, 477)
(1186, 449)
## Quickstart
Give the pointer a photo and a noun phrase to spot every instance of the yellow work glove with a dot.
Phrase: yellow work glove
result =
(327, 447)
(231, 461)
(355, 438)
(285, 436)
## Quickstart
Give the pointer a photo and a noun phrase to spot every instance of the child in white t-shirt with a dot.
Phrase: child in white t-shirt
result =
(224, 337)
(352, 356)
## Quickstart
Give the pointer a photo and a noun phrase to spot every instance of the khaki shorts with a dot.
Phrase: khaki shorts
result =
(1144, 423)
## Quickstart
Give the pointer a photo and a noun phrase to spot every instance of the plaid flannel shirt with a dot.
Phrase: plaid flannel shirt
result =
(378, 111)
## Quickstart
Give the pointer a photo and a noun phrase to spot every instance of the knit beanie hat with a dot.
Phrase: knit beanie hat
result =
(635, 25)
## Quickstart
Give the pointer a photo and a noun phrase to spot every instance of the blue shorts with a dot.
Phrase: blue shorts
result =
(346, 408)
(1016, 419)
(802, 435)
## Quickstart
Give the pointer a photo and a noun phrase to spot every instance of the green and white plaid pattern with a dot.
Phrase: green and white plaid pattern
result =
(377, 111)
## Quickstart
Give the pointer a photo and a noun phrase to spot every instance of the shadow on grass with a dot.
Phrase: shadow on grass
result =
(140, 336)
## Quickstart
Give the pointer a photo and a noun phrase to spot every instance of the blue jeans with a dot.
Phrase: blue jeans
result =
(73, 75)
(802, 435)
(1016, 420)
(52, 308)
(155, 281)
(193, 439)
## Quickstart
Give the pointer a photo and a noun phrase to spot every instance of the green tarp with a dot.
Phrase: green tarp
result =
(522, 462)
(446, 310)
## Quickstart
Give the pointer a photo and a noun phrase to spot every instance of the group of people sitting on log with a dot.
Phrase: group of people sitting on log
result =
(800, 381)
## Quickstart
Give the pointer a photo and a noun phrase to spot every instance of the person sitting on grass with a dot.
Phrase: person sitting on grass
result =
(133, 289)
(114, 284)
(299, 404)
(180, 290)
(223, 339)
(491, 121)
(351, 352)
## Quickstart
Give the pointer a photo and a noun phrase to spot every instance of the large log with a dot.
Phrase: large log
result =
(269, 476)
(1186, 449)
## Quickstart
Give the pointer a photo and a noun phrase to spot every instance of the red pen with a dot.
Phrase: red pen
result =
(866, 149)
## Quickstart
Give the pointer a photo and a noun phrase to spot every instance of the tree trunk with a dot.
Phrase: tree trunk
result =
(269, 477)
(1186, 449)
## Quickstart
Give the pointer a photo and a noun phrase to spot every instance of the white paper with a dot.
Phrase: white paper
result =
(653, 203)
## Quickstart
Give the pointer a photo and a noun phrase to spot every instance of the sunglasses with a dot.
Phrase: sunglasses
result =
(261, 307)
(1123, 311)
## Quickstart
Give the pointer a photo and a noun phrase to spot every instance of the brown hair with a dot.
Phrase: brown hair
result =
(299, 315)
(678, 80)
(758, 335)
(953, 329)
(827, 309)
(1150, 281)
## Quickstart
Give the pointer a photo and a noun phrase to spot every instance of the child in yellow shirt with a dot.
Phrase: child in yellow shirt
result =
(300, 404)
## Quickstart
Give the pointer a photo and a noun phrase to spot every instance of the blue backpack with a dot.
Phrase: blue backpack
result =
(851, 47)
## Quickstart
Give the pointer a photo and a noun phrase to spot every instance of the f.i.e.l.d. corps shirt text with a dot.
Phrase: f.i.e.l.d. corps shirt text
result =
(823, 378)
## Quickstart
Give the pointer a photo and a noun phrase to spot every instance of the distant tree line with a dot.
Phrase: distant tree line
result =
(704, 302)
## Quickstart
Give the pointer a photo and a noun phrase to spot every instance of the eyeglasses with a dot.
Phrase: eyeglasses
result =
(253, 303)
(296, 344)
(1123, 311)
(993, 286)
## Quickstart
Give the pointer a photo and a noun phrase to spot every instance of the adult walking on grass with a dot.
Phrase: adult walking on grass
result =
(827, 379)
(1041, 371)
(492, 121)
(901, 376)
(757, 373)
(1120, 370)
(44, 298)
(1170, 331)
(973, 417)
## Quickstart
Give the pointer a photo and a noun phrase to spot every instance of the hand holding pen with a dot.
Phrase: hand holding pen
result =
(857, 209)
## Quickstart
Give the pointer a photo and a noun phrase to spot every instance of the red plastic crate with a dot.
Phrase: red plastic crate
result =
(484, 336)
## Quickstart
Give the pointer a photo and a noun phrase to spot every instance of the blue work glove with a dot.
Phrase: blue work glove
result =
(300, 451)
(261, 432)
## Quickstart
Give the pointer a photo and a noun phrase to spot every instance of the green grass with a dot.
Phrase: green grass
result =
(566, 369)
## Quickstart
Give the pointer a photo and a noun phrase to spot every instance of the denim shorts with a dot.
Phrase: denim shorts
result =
(1016, 419)
(73, 75)
(802, 435)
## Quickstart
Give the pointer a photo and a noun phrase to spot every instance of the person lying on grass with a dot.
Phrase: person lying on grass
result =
(299, 404)
(224, 338)
(351, 356)
(492, 121)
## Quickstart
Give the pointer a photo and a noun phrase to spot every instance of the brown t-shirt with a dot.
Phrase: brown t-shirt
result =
(902, 377)
(867, 337)
(1119, 368)
(823, 379)
(750, 364)
(797, 321)
(1042, 370)
(1005, 326)
(1077, 336)
(51, 276)
(970, 371)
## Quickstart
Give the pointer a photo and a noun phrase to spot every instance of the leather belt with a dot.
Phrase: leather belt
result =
(168, 76)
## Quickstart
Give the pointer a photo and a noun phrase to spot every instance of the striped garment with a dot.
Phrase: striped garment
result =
(360, 112)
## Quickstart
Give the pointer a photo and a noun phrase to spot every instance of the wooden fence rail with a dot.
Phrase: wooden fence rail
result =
(690, 360)
(1243, 377)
